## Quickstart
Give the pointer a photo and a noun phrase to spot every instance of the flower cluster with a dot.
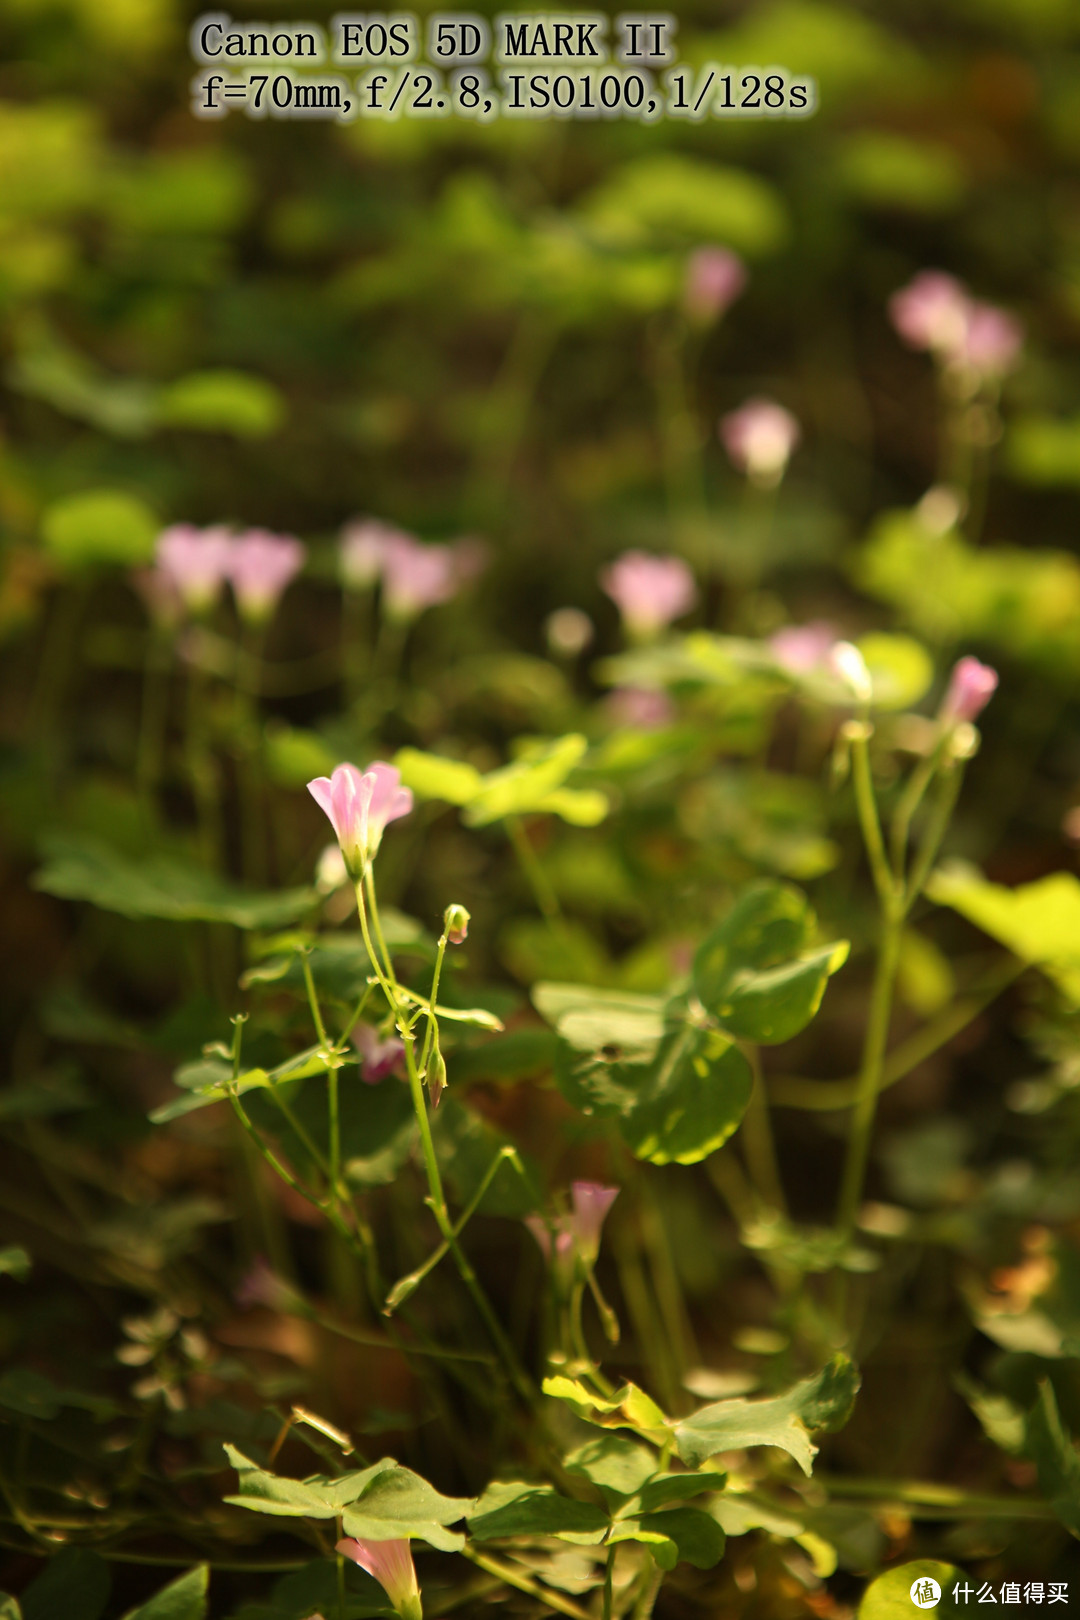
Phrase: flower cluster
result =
(937, 313)
(413, 576)
(193, 566)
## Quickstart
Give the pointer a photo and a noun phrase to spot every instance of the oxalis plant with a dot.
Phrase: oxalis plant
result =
(627, 1480)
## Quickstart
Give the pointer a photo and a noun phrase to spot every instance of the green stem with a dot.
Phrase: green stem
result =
(407, 1285)
(525, 1583)
(868, 1085)
(429, 1037)
(609, 1575)
(539, 882)
(650, 1586)
(758, 1144)
(152, 721)
(940, 817)
(866, 805)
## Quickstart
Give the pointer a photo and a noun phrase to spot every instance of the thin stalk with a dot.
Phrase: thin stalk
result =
(868, 1085)
(651, 1582)
(866, 805)
(759, 1146)
(525, 1583)
(429, 1037)
(539, 882)
(153, 715)
(609, 1575)
(414, 1278)
(940, 817)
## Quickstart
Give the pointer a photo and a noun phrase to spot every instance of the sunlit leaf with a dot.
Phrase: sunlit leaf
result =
(787, 1421)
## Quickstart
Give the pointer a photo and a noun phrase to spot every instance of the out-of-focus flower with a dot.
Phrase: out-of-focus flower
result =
(649, 591)
(331, 871)
(261, 1285)
(196, 562)
(160, 596)
(931, 312)
(417, 576)
(456, 922)
(993, 341)
(714, 279)
(390, 1562)
(260, 566)
(568, 631)
(640, 708)
(801, 648)
(971, 686)
(936, 312)
(760, 437)
(363, 547)
(847, 663)
(575, 1235)
(359, 805)
(378, 1056)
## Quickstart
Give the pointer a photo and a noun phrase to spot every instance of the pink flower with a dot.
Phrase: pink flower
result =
(714, 279)
(417, 576)
(993, 341)
(378, 1057)
(936, 312)
(759, 437)
(649, 591)
(640, 708)
(931, 312)
(359, 805)
(260, 566)
(801, 648)
(971, 686)
(261, 1285)
(363, 547)
(196, 562)
(576, 1235)
(390, 1562)
(591, 1201)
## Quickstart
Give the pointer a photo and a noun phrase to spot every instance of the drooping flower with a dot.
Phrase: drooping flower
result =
(378, 1056)
(260, 566)
(801, 648)
(196, 562)
(971, 686)
(359, 805)
(575, 1235)
(261, 1285)
(363, 547)
(759, 438)
(390, 1562)
(714, 279)
(649, 591)
(847, 663)
(993, 340)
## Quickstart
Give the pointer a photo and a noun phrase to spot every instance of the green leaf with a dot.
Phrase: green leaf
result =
(1055, 1458)
(203, 1084)
(901, 669)
(581, 807)
(1039, 922)
(697, 1537)
(313, 1589)
(86, 869)
(693, 1098)
(756, 973)
(432, 777)
(75, 1584)
(1044, 450)
(589, 1019)
(522, 787)
(182, 1599)
(516, 1508)
(398, 1503)
(786, 1421)
(9, 1607)
(628, 1408)
(15, 1262)
(665, 1489)
(889, 1597)
(101, 527)
(616, 1465)
(222, 401)
(384, 1502)
(674, 201)
(31, 1394)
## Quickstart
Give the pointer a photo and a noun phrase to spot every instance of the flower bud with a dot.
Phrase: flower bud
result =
(456, 924)
(848, 663)
(436, 1078)
(971, 686)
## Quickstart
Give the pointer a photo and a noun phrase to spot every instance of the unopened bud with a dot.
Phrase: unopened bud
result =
(848, 663)
(456, 924)
(436, 1078)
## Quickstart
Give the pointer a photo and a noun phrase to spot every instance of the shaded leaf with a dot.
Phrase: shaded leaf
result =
(75, 1584)
(1049, 1446)
(182, 1599)
(516, 1508)
(786, 1421)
